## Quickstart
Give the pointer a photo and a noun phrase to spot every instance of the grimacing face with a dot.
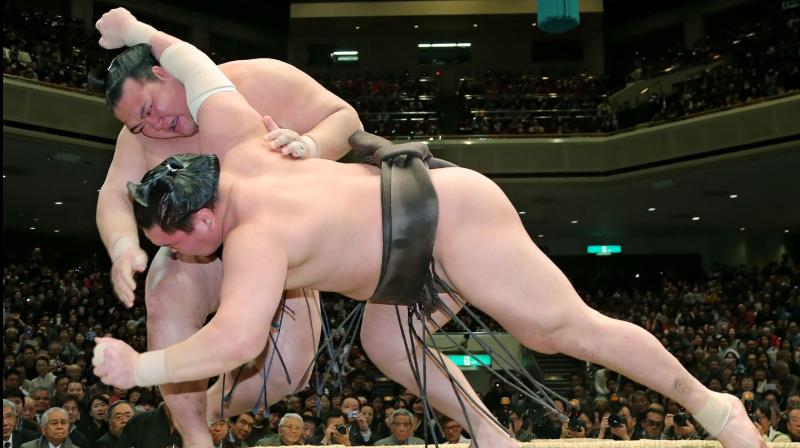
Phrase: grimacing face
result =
(155, 109)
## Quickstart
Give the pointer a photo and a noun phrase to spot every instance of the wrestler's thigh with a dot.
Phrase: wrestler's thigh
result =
(488, 257)
(181, 292)
(380, 328)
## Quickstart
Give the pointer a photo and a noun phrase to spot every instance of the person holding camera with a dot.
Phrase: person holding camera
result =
(617, 426)
(679, 427)
(336, 431)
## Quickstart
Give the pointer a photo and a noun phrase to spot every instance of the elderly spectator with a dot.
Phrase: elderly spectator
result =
(402, 424)
(12, 437)
(290, 432)
(118, 416)
(55, 431)
(793, 423)
(18, 398)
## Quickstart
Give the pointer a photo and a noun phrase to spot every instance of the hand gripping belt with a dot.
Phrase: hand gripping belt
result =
(410, 212)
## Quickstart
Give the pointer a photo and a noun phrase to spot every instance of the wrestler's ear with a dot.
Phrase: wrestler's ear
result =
(160, 73)
(205, 218)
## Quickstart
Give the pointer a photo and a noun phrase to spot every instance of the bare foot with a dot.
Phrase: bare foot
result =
(739, 431)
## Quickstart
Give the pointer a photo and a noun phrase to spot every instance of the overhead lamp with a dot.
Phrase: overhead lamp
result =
(733, 196)
(574, 221)
(651, 209)
(695, 218)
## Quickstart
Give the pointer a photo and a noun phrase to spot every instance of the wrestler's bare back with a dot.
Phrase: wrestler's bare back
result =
(327, 215)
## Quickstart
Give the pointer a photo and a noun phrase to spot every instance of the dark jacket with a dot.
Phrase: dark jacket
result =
(22, 436)
(150, 429)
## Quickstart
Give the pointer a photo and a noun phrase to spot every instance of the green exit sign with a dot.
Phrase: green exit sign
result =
(603, 250)
(471, 361)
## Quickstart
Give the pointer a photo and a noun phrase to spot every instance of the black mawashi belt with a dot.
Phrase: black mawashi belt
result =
(410, 209)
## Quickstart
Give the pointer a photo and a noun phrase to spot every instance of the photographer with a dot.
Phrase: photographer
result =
(576, 426)
(618, 426)
(336, 431)
(679, 427)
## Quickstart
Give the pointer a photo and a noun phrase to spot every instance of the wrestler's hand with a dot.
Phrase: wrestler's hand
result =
(112, 26)
(289, 142)
(128, 262)
(114, 362)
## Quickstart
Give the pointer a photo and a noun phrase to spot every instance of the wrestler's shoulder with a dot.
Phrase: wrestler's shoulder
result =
(245, 68)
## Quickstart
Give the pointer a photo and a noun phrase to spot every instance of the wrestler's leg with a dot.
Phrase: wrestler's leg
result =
(495, 266)
(179, 295)
(382, 341)
(297, 342)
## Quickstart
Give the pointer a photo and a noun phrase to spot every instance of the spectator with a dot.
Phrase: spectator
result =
(70, 404)
(261, 427)
(55, 431)
(118, 416)
(453, 433)
(309, 428)
(653, 424)
(793, 423)
(18, 398)
(219, 432)
(154, 428)
(762, 420)
(290, 432)
(241, 428)
(41, 401)
(361, 433)
(97, 424)
(12, 437)
(335, 430)
(45, 379)
(402, 424)
(679, 426)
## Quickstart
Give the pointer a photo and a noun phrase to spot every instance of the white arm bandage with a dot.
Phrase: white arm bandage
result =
(138, 33)
(715, 413)
(151, 369)
(200, 76)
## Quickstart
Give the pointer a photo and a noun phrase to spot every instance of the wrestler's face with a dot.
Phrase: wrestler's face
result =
(156, 109)
(202, 241)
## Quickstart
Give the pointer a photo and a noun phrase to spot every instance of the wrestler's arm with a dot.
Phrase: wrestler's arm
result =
(115, 221)
(307, 107)
(255, 274)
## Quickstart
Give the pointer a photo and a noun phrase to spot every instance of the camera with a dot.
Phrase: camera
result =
(341, 429)
(681, 419)
(574, 423)
(614, 421)
(352, 414)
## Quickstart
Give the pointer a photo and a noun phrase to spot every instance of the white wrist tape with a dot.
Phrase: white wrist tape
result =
(151, 369)
(311, 146)
(120, 244)
(200, 76)
(138, 33)
(715, 413)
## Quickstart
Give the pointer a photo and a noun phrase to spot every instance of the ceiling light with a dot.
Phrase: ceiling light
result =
(35, 219)
(651, 209)
(58, 203)
(636, 275)
(696, 218)
(541, 235)
(742, 228)
(786, 231)
(358, 27)
(474, 25)
(56, 231)
(574, 221)
(416, 27)
(733, 196)
(32, 228)
(522, 212)
(533, 24)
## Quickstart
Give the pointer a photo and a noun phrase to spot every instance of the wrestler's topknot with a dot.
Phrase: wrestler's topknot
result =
(173, 191)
